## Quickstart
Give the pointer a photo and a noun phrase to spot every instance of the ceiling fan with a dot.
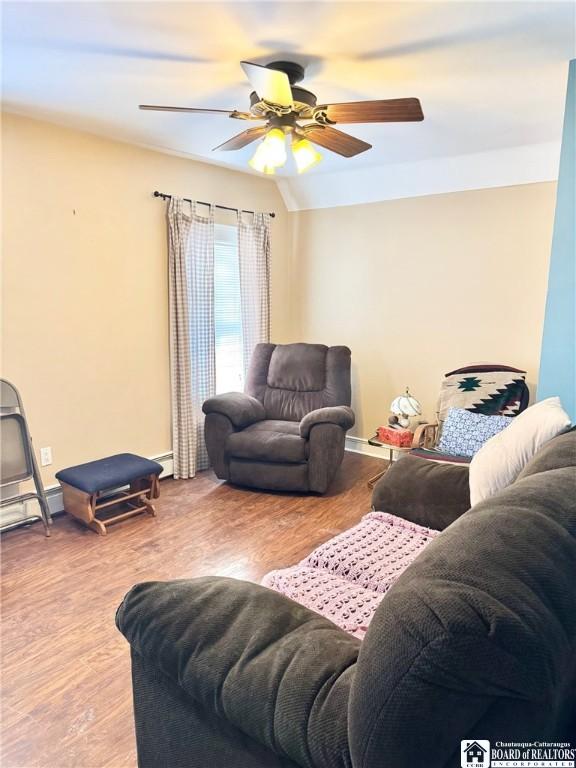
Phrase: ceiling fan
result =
(286, 108)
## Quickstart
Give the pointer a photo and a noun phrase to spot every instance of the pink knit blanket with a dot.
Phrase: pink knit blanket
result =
(346, 578)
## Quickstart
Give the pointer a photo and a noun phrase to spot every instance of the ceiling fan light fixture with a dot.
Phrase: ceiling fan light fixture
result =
(271, 152)
(259, 162)
(305, 154)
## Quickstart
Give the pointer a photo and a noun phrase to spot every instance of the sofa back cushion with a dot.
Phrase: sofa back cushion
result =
(477, 636)
(291, 380)
(557, 453)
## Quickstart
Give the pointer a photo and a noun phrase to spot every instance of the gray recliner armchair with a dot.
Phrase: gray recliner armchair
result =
(286, 431)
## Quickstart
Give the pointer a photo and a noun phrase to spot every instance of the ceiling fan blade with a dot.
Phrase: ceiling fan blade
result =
(229, 112)
(270, 84)
(383, 111)
(242, 139)
(336, 141)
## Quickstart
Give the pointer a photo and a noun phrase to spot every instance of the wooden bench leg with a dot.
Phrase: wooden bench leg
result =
(98, 526)
(82, 506)
(150, 490)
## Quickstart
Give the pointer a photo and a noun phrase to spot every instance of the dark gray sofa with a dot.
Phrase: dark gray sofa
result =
(476, 640)
(286, 431)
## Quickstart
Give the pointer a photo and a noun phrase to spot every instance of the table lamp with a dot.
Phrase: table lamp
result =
(405, 406)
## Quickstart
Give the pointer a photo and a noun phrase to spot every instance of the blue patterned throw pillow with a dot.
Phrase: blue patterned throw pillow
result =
(464, 432)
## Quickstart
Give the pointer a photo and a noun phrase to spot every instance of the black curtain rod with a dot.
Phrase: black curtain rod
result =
(164, 196)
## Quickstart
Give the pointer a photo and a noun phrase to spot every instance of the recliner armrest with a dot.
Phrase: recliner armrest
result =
(275, 670)
(341, 415)
(241, 409)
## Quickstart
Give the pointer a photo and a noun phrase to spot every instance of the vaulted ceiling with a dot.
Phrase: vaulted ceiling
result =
(491, 78)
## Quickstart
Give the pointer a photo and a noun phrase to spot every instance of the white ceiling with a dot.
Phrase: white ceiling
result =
(491, 76)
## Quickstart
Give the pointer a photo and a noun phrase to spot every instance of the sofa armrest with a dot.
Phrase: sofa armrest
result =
(423, 492)
(275, 670)
(241, 409)
(341, 415)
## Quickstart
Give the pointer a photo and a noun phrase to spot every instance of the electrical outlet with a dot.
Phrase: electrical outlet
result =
(46, 456)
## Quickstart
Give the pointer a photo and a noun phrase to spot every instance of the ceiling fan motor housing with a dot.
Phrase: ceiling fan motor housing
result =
(295, 72)
(303, 100)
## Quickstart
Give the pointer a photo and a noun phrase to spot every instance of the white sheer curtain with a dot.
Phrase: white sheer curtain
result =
(254, 258)
(192, 354)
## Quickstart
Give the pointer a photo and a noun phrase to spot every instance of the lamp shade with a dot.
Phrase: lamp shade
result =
(305, 154)
(406, 405)
(271, 152)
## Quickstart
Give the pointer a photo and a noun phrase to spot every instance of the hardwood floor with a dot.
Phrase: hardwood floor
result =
(66, 690)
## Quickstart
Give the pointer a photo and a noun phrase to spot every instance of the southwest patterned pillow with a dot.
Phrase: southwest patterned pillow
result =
(464, 433)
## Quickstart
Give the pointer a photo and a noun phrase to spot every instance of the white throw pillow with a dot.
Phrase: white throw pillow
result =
(501, 459)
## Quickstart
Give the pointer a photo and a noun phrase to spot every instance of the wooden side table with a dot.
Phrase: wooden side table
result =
(390, 448)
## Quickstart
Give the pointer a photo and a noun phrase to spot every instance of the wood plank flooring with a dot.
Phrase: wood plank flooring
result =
(66, 691)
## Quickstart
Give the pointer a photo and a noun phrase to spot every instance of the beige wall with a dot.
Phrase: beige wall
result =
(84, 306)
(417, 287)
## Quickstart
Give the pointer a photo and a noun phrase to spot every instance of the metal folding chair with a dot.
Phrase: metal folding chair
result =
(17, 461)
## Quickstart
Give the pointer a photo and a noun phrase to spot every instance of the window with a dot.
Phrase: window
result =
(227, 313)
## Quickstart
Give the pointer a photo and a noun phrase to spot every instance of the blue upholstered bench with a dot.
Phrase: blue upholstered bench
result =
(84, 484)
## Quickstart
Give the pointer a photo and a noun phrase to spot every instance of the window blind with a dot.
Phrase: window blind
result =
(227, 314)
